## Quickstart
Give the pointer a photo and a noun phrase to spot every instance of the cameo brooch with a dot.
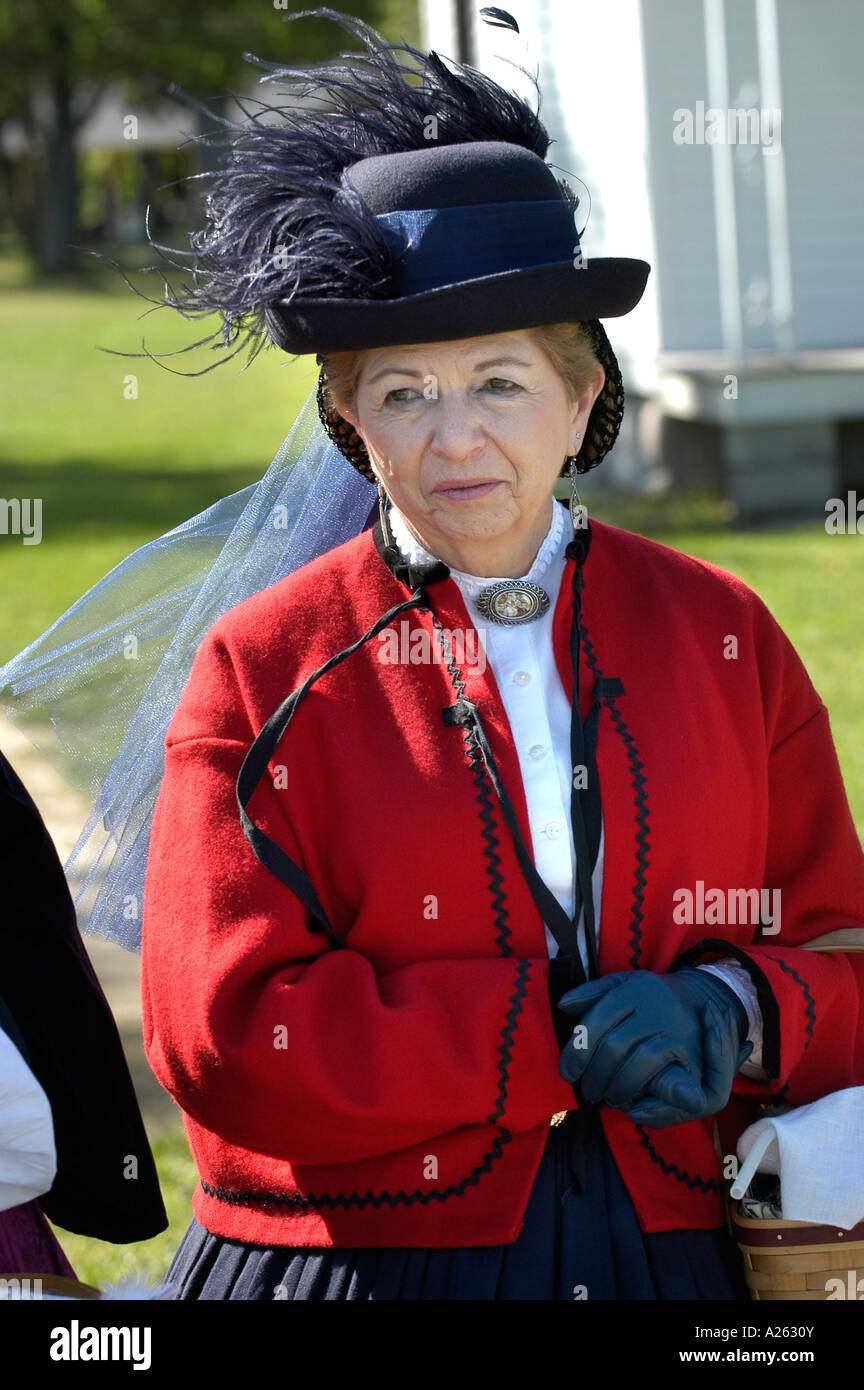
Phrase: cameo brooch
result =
(511, 602)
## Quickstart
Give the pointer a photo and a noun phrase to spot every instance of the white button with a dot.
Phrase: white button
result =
(553, 829)
(521, 678)
(538, 751)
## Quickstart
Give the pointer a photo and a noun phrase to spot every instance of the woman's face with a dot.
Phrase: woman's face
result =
(468, 438)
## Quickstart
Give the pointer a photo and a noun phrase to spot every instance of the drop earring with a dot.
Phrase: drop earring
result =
(578, 515)
(389, 538)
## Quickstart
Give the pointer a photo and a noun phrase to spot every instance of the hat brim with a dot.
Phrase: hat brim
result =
(511, 299)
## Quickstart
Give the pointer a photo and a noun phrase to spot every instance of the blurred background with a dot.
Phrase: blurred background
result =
(720, 140)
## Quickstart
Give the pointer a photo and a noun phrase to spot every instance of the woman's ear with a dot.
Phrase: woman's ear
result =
(348, 414)
(583, 405)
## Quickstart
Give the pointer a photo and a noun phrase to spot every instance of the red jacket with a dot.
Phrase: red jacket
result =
(398, 1091)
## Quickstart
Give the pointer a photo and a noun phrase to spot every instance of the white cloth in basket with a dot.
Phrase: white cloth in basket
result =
(817, 1151)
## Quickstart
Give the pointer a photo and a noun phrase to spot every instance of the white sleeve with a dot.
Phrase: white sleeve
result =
(736, 977)
(28, 1156)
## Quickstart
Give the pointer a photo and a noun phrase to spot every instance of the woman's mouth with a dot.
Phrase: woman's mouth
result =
(467, 492)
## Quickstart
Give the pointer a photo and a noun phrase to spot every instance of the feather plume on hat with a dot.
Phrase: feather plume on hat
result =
(281, 222)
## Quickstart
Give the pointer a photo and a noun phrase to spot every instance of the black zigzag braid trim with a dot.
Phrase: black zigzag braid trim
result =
(637, 768)
(486, 803)
(811, 1002)
(298, 1204)
(505, 1051)
(703, 1184)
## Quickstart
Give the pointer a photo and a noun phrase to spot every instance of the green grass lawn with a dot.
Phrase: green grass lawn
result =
(114, 472)
(99, 1263)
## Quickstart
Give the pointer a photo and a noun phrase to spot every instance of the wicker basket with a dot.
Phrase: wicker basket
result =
(795, 1260)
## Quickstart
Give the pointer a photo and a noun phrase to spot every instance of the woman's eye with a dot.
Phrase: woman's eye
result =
(499, 386)
(398, 394)
(501, 381)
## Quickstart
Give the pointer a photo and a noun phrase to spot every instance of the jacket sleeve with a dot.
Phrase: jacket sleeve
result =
(275, 1040)
(812, 1003)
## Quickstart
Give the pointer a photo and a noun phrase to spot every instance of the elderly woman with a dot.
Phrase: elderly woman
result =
(452, 950)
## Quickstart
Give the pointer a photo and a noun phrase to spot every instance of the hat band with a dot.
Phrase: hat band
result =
(435, 247)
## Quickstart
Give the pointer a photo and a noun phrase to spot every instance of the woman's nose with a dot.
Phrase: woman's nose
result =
(456, 428)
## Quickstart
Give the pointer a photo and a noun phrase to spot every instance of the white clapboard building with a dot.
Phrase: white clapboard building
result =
(723, 142)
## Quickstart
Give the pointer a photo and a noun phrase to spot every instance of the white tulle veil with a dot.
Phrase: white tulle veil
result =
(96, 691)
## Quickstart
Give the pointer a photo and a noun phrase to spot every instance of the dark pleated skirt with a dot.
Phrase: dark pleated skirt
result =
(580, 1240)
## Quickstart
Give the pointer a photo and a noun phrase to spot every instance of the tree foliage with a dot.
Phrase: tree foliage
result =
(59, 57)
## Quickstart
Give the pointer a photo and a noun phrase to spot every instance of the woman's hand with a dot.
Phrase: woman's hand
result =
(662, 1048)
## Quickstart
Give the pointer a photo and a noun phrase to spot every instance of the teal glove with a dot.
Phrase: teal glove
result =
(663, 1048)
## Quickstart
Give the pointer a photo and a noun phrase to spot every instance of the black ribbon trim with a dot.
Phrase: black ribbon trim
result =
(584, 801)
(553, 914)
(566, 969)
(585, 807)
(266, 850)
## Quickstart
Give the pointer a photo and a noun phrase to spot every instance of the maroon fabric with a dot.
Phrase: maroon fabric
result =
(798, 1235)
(28, 1245)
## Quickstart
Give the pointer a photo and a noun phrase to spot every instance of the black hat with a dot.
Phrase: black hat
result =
(483, 241)
(404, 211)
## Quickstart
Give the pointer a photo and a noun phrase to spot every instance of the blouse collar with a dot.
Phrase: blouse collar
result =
(471, 584)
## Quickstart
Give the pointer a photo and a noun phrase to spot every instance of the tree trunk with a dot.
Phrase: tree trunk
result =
(60, 190)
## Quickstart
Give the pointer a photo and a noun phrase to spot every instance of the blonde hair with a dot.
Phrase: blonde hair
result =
(567, 346)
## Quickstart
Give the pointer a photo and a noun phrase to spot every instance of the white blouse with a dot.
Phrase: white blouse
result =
(28, 1157)
(522, 659)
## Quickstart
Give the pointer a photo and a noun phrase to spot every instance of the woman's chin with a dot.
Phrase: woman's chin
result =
(480, 519)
